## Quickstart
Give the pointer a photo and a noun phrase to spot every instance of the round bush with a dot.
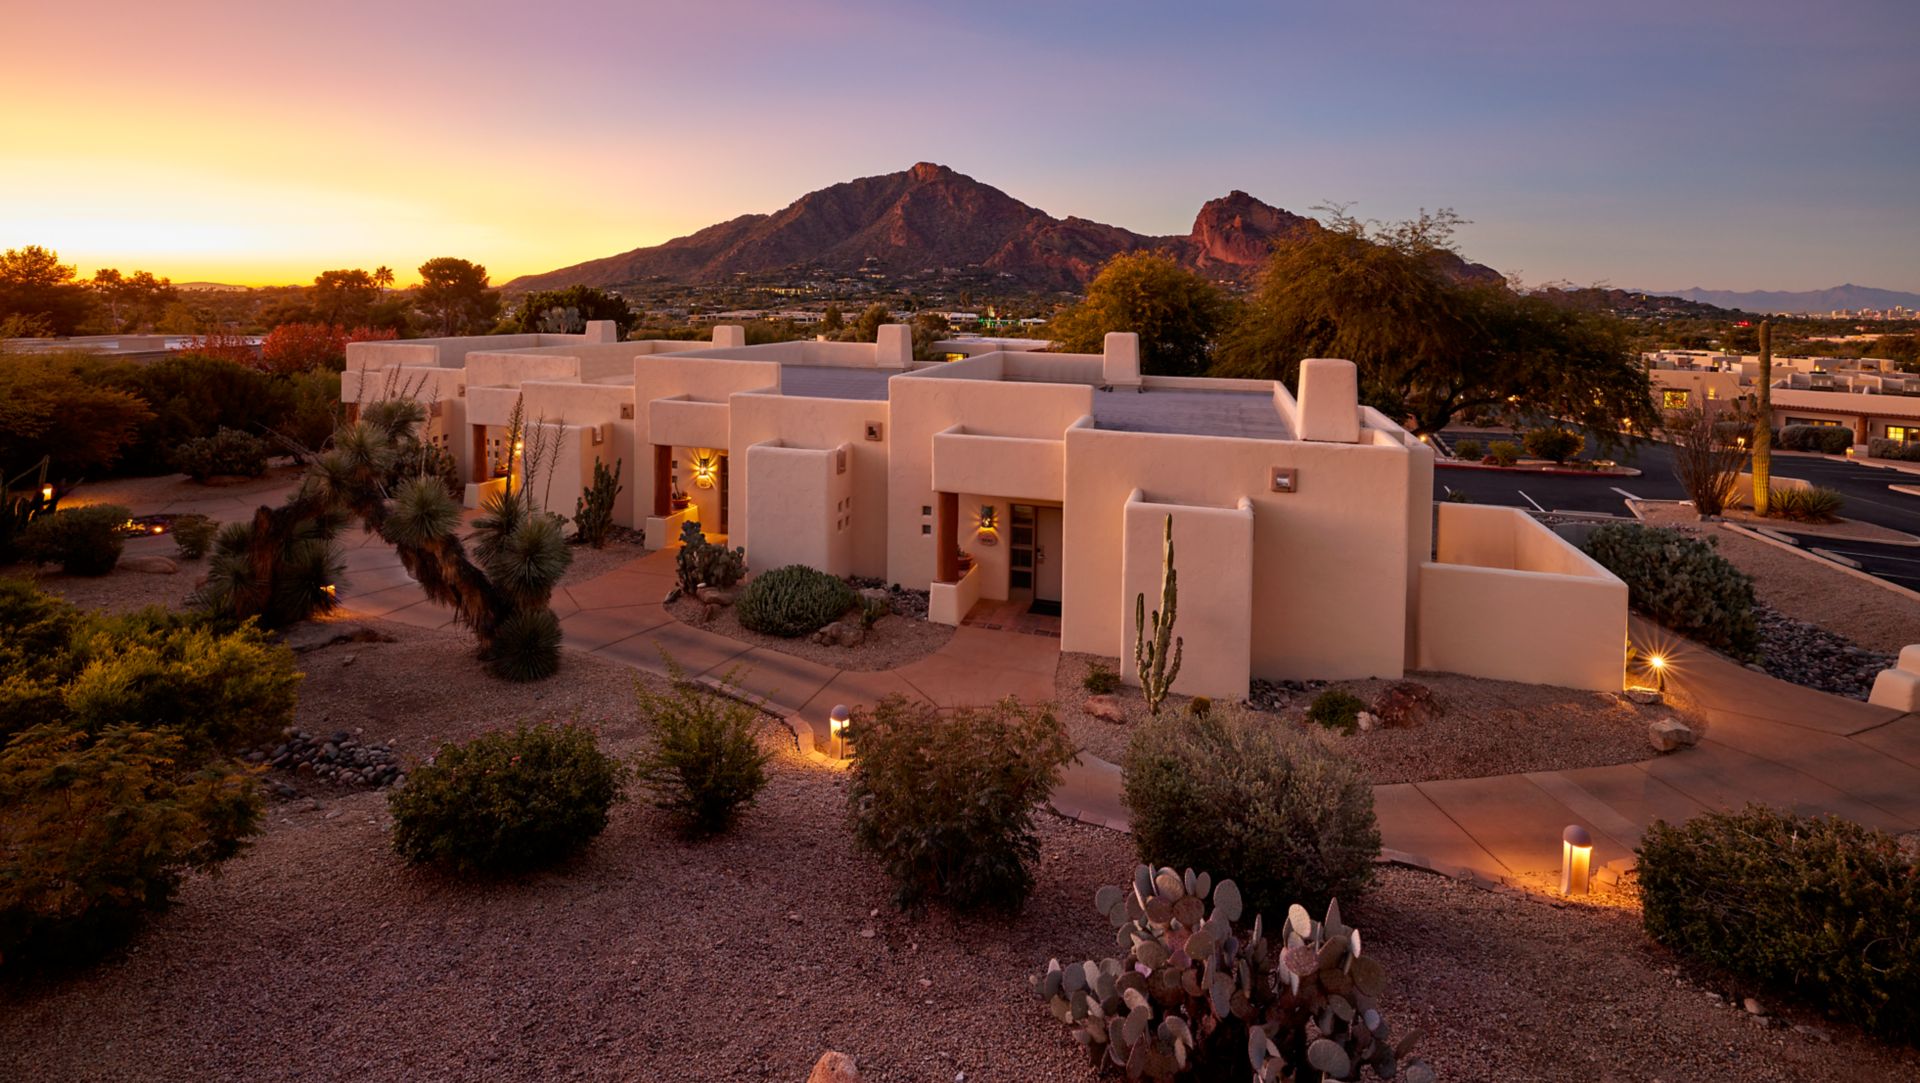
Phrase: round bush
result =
(793, 601)
(1817, 905)
(226, 452)
(1467, 448)
(1554, 444)
(1680, 581)
(507, 801)
(83, 541)
(1504, 452)
(1336, 709)
(1286, 818)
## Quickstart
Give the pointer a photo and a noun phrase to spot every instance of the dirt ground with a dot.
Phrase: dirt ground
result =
(1481, 727)
(318, 955)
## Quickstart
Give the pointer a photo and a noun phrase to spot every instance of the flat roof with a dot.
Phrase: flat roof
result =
(1191, 412)
(829, 382)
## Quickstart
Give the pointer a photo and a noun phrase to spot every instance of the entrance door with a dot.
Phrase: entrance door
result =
(1047, 560)
(1020, 553)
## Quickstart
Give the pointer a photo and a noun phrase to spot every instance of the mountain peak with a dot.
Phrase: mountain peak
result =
(923, 172)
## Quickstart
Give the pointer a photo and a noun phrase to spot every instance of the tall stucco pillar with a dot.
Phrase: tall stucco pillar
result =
(602, 331)
(946, 551)
(1120, 359)
(894, 347)
(729, 336)
(1329, 401)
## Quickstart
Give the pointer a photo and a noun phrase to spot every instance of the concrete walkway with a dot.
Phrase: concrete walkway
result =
(1766, 740)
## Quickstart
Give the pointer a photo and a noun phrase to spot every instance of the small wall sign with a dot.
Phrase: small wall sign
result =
(1285, 480)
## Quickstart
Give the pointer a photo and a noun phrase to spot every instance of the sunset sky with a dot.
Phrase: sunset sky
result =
(1763, 144)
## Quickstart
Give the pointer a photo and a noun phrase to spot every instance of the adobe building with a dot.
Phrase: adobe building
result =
(1307, 540)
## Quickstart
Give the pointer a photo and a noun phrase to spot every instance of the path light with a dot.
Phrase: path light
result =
(837, 725)
(1576, 853)
(46, 493)
(1657, 663)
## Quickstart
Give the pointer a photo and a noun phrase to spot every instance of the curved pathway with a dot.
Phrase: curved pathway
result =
(1766, 741)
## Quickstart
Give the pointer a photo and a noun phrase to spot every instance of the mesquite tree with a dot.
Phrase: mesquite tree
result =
(1706, 459)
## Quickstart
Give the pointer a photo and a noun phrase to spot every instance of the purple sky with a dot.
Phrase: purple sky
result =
(1727, 145)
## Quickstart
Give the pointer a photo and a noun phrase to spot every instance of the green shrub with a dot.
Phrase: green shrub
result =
(228, 452)
(702, 563)
(1101, 679)
(706, 766)
(96, 832)
(83, 541)
(220, 691)
(1680, 581)
(507, 801)
(1287, 818)
(1504, 452)
(1810, 505)
(946, 800)
(1554, 444)
(193, 535)
(1882, 448)
(872, 609)
(1193, 982)
(1336, 709)
(793, 601)
(1828, 439)
(1467, 448)
(1816, 906)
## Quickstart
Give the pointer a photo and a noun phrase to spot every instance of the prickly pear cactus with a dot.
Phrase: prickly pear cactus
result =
(1192, 995)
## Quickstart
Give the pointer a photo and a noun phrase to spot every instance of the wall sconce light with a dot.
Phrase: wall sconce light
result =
(987, 529)
(837, 726)
(706, 468)
(1576, 857)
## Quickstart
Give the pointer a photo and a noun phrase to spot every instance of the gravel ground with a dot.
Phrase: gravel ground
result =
(1809, 590)
(1481, 727)
(892, 642)
(317, 955)
(146, 496)
(623, 547)
(119, 591)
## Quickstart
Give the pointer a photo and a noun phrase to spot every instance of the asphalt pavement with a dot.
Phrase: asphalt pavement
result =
(1866, 489)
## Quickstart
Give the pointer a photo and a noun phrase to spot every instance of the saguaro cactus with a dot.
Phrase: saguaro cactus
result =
(1157, 657)
(1763, 426)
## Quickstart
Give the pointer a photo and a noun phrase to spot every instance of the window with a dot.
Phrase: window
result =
(1905, 434)
(1674, 399)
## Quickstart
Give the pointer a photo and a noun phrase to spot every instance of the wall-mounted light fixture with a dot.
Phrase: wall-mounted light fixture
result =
(1285, 479)
(987, 525)
(706, 467)
(1576, 857)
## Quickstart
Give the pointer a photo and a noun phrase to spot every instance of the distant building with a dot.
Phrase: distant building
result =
(1870, 395)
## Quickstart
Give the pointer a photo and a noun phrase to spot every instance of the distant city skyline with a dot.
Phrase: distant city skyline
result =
(1731, 146)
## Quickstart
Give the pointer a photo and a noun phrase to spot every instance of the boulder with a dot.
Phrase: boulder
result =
(1669, 734)
(1647, 696)
(150, 565)
(834, 1068)
(841, 633)
(1105, 708)
(1367, 721)
(1406, 703)
(876, 594)
(715, 595)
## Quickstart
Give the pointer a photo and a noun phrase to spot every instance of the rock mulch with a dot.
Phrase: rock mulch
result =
(340, 758)
(318, 931)
(893, 641)
(911, 604)
(1807, 654)
(624, 546)
(1431, 726)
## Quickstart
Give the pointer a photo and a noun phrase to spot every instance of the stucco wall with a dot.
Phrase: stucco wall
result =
(1330, 569)
(820, 424)
(966, 394)
(801, 503)
(1020, 469)
(674, 377)
(1509, 599)
(1213, 554)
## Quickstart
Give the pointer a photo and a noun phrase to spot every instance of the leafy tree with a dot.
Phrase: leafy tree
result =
(48, 408)
(138, 299)
(304, 347)
(1177, 313)
(928, 328)
(867, 327)
(1430, 346)
(832, 322)
(343, 297)
(456, 296)
(36, 285)
(578, 305)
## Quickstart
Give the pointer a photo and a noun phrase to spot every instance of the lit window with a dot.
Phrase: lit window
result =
(1674, 399)
(1903, 433)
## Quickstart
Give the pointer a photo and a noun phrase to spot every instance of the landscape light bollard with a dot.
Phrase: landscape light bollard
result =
(1576, 852)
(837, 725)
(1658, 663)
(46, 493)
